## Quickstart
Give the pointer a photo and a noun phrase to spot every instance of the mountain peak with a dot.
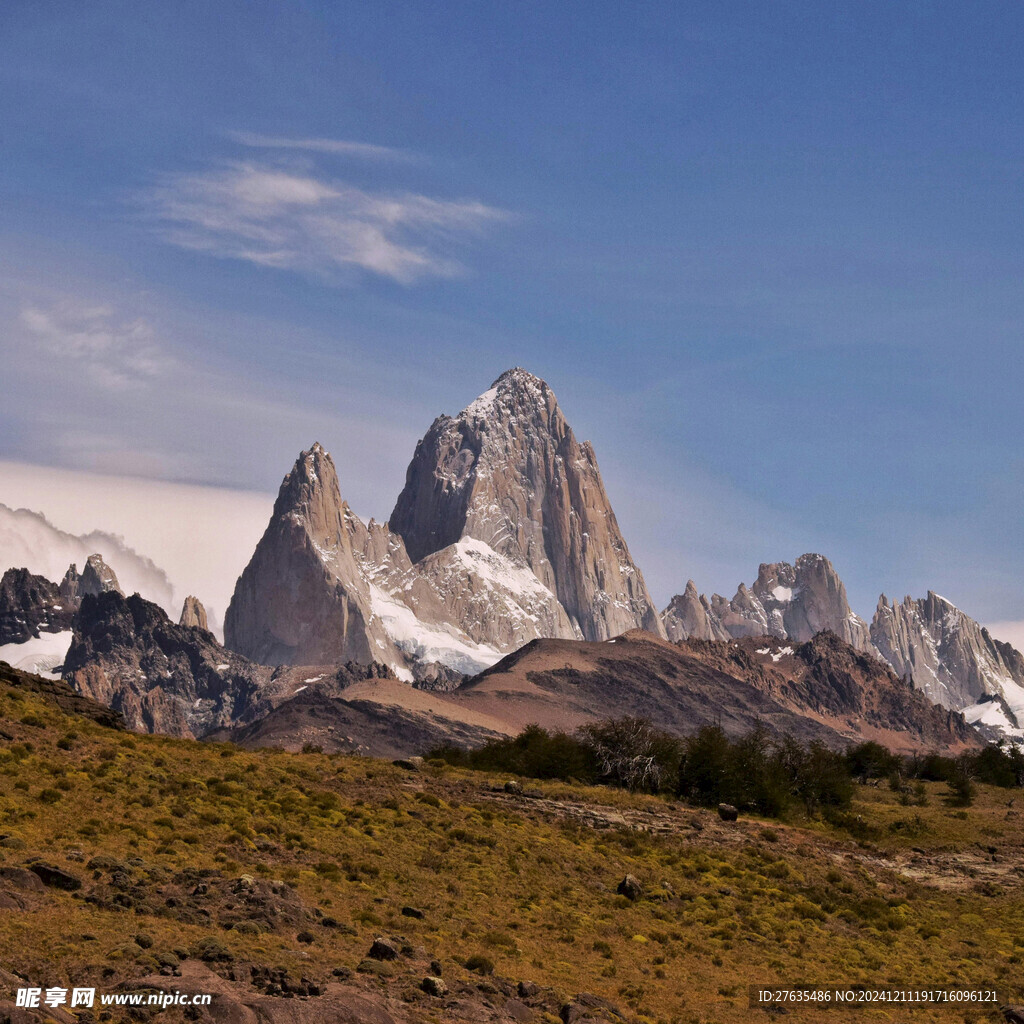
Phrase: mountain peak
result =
(517, 377)
(509, 472)
(515, 388)
(311, 484)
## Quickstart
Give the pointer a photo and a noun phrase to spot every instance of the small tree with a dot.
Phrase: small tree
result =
(631, 753)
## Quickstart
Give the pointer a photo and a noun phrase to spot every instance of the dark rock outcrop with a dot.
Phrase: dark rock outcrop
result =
(127, 654)
(30, 605)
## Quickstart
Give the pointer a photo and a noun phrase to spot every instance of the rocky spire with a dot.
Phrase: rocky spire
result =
(689, 616)
(97, 578)
(193, 613)
(509, 472)
(70, 585)
(302, 599)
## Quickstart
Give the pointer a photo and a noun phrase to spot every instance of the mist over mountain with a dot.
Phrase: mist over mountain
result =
(29, 540)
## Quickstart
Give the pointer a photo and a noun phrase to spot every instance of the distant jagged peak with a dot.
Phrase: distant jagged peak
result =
(193, 613)
(791, 600)
(98, 578)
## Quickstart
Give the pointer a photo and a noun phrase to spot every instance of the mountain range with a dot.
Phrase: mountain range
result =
(503, 563)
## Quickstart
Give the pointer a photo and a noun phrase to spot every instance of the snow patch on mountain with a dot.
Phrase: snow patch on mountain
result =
(428, 643)
(43, 654)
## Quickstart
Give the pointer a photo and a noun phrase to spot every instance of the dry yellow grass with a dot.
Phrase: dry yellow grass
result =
(520, 881)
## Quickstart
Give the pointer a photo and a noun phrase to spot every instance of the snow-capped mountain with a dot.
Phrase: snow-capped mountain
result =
(508, 472)
(502, 534)
(787, 601)
(953, 659)
(948, 656)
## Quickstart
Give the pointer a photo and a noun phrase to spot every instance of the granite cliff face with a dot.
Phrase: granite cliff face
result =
(193, 613)
(302, 598)
(97, 578)
(325, 587)
(509, 473)
(952, 658)
(787, 601)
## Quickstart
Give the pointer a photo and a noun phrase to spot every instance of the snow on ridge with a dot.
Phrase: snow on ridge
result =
(428, 643)
(483, 404)
(782, 593)
(498, 571)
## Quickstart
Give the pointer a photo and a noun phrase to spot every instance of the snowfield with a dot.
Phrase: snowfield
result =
(43, 655)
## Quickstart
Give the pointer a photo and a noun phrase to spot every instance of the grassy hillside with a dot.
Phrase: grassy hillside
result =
(189, 852)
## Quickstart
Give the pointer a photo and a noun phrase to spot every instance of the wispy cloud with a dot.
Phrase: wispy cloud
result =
(114, 353)
(336, 147)
(298, 221)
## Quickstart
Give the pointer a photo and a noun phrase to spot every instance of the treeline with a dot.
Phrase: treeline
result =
(757, 772)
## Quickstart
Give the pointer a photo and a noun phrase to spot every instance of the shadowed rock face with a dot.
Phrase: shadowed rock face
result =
(127, 654)
(826, 678)
(509, 472)
(952, 658)
(30, 605)
(97, 578)
(790, 601)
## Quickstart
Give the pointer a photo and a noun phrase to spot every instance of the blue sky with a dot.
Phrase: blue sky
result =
(767, 254)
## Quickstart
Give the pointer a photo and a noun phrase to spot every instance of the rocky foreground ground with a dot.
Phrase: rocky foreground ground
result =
(310, 887)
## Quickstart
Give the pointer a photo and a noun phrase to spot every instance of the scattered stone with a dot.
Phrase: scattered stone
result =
(306, 938)
(435, 968)
(413, 912)
(144, 940)
(516, 788)
(527, 989)
(631, 888)
(434, 986)
(409, 764)
(727, 812)
(56, 877)
(22, 878)
(518, 1011)
(382, 950)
